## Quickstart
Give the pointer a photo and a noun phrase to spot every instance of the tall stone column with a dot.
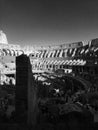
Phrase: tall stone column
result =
(26, 92)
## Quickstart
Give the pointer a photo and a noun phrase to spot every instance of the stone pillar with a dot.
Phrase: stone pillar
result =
(26, 92)
(23, 77)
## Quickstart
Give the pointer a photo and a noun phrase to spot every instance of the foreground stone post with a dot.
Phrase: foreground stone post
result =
(26, 97)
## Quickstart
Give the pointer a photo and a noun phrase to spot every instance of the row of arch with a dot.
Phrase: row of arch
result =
(10, 52)
(55, 65)
(68, 52)
(51, 68)
(50, 59)
(59, 62)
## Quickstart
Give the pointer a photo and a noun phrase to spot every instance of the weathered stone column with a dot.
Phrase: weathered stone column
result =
(26, 92)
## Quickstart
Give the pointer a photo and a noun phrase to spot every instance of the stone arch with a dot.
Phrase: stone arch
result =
(12, 52)
(8, 52)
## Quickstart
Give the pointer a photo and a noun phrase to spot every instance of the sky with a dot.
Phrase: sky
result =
(48, 22)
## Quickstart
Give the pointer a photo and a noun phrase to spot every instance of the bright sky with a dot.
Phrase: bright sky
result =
(36, 22)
